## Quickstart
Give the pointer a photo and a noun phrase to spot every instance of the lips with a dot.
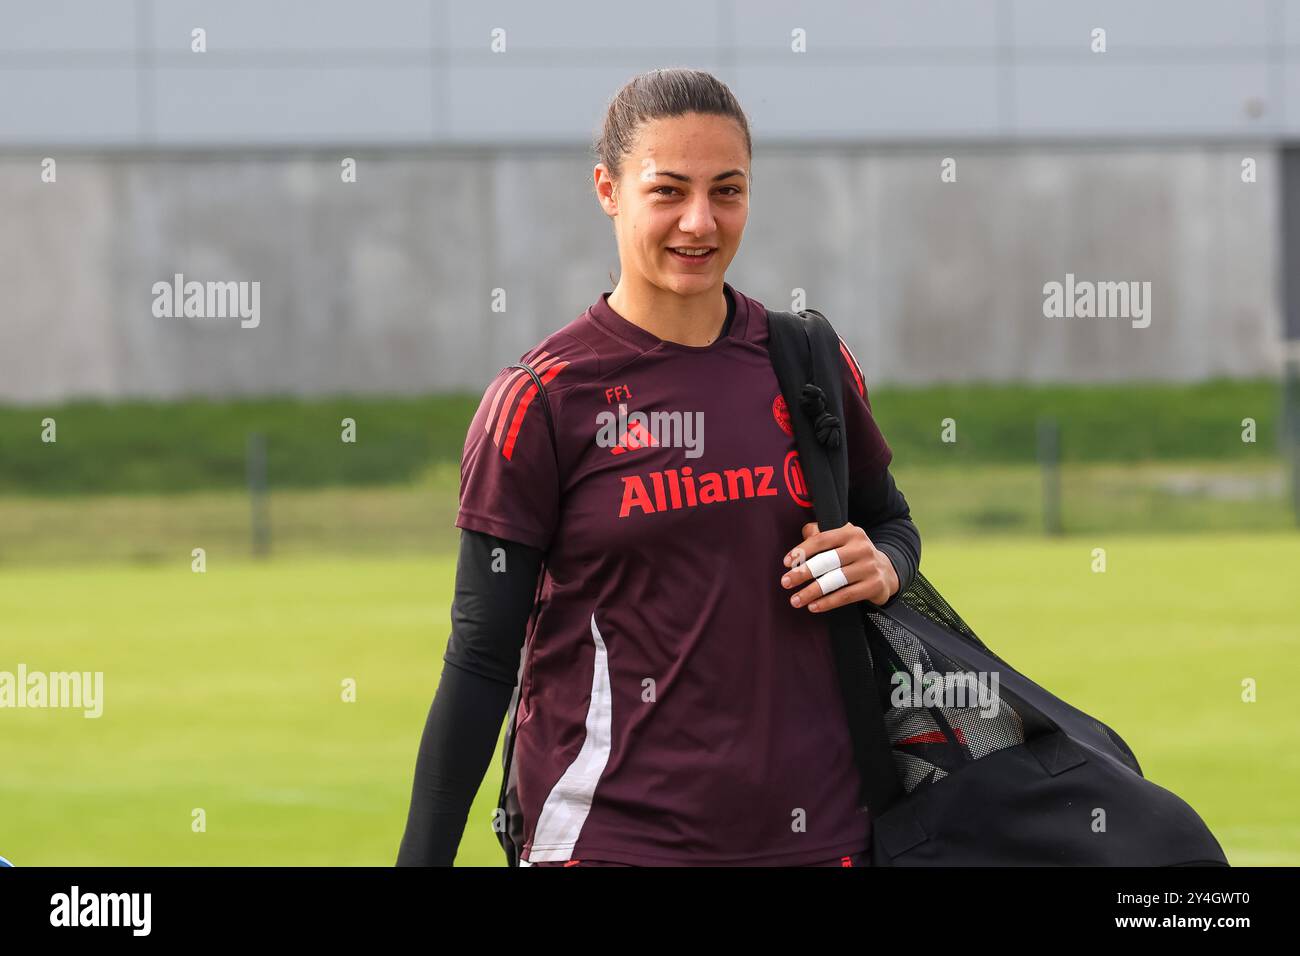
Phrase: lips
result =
(681, 257)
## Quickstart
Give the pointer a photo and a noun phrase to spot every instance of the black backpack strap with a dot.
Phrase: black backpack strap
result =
(804, 351)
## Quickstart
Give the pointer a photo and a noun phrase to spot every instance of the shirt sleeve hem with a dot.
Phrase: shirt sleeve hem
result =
(502, 529)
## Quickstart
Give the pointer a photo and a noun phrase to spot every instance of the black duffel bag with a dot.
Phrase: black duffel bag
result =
(1016, 778)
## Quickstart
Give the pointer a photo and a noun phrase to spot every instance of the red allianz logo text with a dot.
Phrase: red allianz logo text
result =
(675, 488)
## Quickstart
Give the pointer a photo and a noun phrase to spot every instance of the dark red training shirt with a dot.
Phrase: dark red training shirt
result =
(674, 707)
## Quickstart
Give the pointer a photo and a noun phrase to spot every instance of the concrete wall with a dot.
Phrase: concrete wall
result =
(385, 285)
(419, 72)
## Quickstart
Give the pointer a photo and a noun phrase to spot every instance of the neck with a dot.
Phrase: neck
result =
(693, 320)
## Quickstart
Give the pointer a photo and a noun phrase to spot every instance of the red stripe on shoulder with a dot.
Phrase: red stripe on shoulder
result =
(496, 398)
(508, 389)
(854, 369)
(546, 371)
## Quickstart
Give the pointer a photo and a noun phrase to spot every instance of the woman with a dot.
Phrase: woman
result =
(679, 703)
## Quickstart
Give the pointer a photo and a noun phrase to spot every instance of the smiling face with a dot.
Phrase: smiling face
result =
(683, 185)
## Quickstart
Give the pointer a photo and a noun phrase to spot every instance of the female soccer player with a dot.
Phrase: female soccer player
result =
(679, 703)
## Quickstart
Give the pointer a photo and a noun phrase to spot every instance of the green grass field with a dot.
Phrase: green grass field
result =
(223, 691)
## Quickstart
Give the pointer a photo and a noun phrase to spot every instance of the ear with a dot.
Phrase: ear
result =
(606, 189)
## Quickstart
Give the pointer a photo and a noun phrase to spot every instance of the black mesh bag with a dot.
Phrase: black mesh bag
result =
(958, 769)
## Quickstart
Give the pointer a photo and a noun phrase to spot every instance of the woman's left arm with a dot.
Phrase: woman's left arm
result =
(879, 508)
(876, 555)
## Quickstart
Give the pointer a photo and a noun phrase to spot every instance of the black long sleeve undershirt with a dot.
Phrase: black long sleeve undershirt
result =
(489, 614)
(489, 617)
(880, 508)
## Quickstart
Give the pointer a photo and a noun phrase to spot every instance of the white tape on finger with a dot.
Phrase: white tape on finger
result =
(832, 580)
(823, 561)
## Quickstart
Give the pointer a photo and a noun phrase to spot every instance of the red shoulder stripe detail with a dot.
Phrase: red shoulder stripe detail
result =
(852, 363)
(527, 400)
(501, 390)
(519, 381)
(496, 398)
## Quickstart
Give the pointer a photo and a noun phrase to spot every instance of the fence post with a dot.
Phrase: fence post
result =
(1291, 424)
(1049, 460)
(257, 495)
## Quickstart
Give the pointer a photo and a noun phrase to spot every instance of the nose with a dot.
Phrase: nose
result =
(697, 217)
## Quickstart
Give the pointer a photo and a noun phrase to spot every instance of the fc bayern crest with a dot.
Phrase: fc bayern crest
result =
(782, 414)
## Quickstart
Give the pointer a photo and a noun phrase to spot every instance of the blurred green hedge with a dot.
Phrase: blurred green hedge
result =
(153, 447)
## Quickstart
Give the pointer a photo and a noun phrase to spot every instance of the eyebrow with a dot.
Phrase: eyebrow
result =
(686, 179)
